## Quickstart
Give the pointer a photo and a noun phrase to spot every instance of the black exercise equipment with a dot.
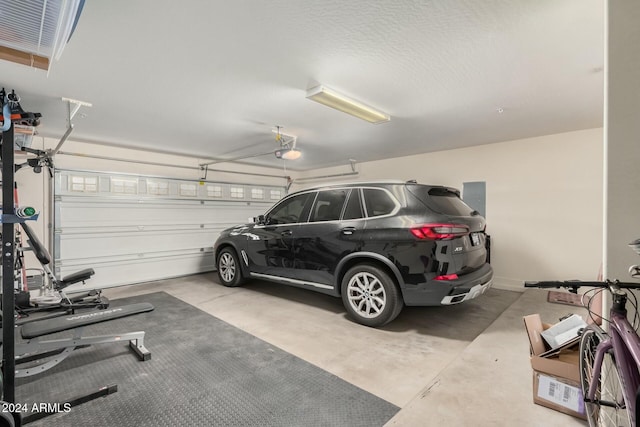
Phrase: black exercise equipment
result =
(48, 353)
(69, 302)
(38, 355)
(101, 392)
(42, 159)
(8, 247)
(43, 353)
(17, 116)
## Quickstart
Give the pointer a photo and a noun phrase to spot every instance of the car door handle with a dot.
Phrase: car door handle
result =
(348, 230)
(286, 233)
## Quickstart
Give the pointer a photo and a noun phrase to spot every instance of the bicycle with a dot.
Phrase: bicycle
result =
(609, 360)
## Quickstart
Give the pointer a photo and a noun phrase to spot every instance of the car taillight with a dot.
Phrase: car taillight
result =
(453, 276)
(439, 231)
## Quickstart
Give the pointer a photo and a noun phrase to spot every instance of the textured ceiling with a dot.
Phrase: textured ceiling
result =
(212, 78)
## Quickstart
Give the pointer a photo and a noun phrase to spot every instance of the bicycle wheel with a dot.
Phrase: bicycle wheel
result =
(607, 407)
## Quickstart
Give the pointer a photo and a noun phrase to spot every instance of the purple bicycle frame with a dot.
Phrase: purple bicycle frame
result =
(626, 348)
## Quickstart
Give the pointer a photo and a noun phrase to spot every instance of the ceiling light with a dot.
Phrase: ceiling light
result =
(333, 99)
(290, 154)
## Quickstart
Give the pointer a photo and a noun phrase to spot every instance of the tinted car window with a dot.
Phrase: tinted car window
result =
(377, 202)
(354, 206)
(442, 200)
(290, 210)
(328, 205)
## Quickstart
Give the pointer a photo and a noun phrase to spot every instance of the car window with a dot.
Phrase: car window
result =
(290, 210)
(377, 202)
(328, 205)
(441, 199)
(354, 206)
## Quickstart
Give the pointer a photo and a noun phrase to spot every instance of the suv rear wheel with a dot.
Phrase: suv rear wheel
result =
(370, 296)
(229, 271)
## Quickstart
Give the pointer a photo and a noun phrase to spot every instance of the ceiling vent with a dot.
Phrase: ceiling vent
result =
(35, 32)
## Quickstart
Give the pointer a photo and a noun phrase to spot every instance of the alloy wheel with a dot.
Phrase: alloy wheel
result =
(366, 295)
(227, 267)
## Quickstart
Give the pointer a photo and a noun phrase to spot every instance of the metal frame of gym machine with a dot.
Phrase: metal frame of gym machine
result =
(9, 219)
(8, 259)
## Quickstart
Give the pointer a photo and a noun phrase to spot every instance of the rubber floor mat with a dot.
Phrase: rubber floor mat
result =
(202, 372)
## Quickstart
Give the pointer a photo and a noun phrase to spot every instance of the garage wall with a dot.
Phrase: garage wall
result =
(622, 135)
(35, 189)
(544, 200)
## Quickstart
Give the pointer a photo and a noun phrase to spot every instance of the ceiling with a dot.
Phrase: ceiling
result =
(213, 78)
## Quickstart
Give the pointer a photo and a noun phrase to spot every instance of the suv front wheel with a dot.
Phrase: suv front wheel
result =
(229, 271)
(370, 296)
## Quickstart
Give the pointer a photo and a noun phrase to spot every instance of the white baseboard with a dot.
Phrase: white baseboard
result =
(506, 284)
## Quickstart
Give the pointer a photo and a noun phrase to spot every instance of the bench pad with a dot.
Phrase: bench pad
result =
(59, 324)
(78, 276)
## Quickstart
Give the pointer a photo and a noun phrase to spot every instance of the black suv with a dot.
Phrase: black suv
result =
(378, 245)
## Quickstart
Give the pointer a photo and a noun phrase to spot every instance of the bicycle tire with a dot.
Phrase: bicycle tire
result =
(608, 407)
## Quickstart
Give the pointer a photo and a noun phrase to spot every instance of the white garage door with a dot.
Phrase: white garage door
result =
(133, 229)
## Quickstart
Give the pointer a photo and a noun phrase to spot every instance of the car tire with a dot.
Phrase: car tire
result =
(370, 295)
(229, 270)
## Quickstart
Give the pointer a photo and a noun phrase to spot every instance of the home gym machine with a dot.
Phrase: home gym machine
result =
(45, 353)
(8, 103)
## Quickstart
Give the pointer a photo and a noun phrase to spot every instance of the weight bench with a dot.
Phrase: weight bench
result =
(87, 299)
(45, 354)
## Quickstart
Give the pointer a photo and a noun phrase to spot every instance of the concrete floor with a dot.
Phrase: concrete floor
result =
(459, 365)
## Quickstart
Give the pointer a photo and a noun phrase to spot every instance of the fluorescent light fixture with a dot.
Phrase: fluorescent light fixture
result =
(333, 99)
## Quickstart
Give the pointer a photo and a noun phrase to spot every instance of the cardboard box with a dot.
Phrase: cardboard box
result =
(558, 393)
(556, 373)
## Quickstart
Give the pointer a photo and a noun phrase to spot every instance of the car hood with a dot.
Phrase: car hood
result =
(237, 229)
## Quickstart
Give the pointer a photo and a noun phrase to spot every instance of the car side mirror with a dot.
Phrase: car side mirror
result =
(259, 220)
